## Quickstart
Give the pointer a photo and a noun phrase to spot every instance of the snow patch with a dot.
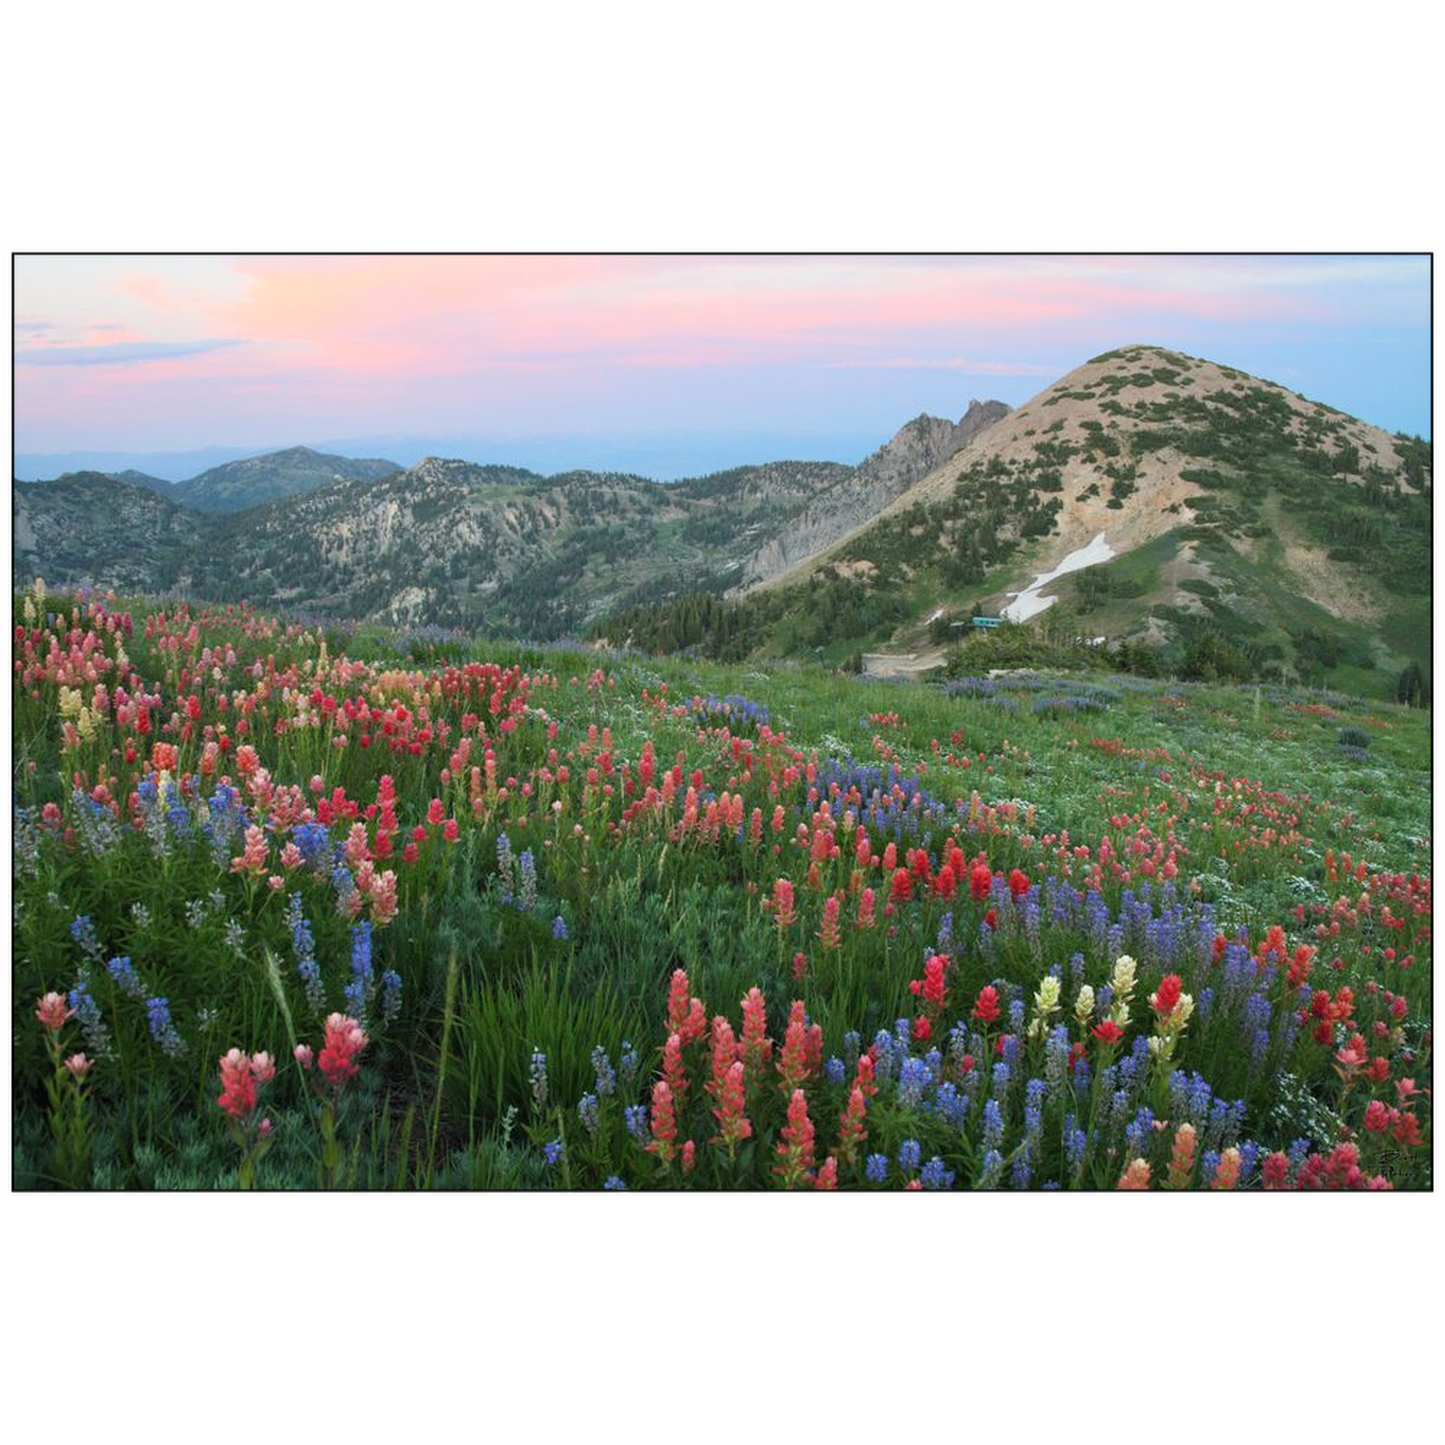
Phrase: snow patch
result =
(1028, 603)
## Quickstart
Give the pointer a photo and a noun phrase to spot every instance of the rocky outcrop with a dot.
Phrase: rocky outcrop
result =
(922, 445)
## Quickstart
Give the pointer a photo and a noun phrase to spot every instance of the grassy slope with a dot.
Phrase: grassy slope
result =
(654, 908)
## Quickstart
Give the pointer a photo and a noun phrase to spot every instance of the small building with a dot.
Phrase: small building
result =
(987, 622)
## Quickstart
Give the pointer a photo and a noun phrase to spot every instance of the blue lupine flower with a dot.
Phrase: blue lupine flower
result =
(613, 1182)
(635, 1117)
(226, 817)
(1056, 1057)
(1117, 1107)
(82, 930)
(992, 1124)
(355, 996)
(1205, 1005)
(935, 1175)
(1220, 1118)
(992, 1170)
(1028, 909)
(554, 1152)
(952, 1106)
(559, 929)
(588, 1112)
(504, 866)
(1248, 1157)
(945, 933)
(98, 831)
(362, 988)
(87, 1015)
(122, 970)
(734, 710)
(1140, 1056)
(1140, 1130)
(628, 1061)
(528, 901)
(163, 1031)
(303, 942)
(25, 836)
(1235, 1122)
(538, 1074)
(834, 1071)
(957, 1044)
(179, 817)
(153, 818)
(875, 1169)
(1075, 1142)
(602, 1068)
(884, 1064)
(344, 886)
(313, 842)
(1258, 1048)
(913, 1078)
(1257, 1013)
(390, 995)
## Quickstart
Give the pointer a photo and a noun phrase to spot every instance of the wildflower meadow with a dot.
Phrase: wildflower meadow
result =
(306, 905)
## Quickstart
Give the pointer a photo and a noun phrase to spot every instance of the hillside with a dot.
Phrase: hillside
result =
(490, 547)
(501, 548)
(90, 527)
(252, 481)
(145, 481)
(1295, 536)
(853, 500)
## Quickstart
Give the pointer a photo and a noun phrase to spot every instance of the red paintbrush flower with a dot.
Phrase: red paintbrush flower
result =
(986, 1009)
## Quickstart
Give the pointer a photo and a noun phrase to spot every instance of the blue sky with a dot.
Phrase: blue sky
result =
(662, 364)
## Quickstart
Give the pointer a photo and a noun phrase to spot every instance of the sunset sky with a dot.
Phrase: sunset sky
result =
(660, 363)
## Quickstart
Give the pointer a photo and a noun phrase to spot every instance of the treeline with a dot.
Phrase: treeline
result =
(727, 631)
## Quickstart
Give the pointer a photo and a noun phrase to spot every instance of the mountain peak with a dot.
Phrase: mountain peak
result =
(1162, 497)
(251, 481)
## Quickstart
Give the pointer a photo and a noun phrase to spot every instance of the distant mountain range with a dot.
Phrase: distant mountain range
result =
(661, 454)
(252, 481)
(455, 542)
(1206, 500)
(235, 486)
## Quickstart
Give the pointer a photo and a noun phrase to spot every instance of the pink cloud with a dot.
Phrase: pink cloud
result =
(471, 339)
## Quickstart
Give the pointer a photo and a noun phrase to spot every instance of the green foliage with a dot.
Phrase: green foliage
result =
(1210, 658)
(1412, 690)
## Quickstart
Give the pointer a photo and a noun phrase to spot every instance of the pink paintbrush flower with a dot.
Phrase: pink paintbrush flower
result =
(53, 1011)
